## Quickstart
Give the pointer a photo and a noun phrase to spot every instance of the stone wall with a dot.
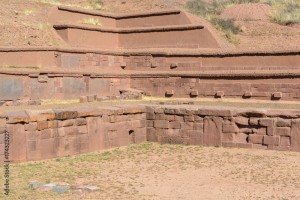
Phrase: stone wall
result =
(214, 86)
(273, 130)
(58, 86)
(45, 134)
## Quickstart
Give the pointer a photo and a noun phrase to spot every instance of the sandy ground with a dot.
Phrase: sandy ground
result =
(166, 172)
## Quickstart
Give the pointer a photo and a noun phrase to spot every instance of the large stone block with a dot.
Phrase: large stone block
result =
(212, 131)
(256, 139)
(295, 135)
(161, 124)
(282, 131)
(17, 137)
(271, 140)
(230, 128)
(73, 87)
(11, 88)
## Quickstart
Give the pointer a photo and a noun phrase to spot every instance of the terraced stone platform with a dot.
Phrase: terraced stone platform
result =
(160, 54)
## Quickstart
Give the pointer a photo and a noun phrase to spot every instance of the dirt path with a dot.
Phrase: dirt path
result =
(166, 172)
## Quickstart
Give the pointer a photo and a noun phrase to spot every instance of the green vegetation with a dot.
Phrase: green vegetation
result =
(91, 21)
(284, 12)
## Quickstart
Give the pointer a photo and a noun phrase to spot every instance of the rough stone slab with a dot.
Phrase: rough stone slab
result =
(244, 145)
(284, 113)
(241, 120)
(11, 88)
(256, 139)
(212, 135)
(230, 128)
(282, 131)
(40, 115)
(283, 122)
(271, 140)
(161, 124)
(295, 135)
(215, 112)
(15, 117)
(285, 141)
(65, 114)
(266, 122)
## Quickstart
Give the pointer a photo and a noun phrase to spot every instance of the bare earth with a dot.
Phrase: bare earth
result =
(166, 172)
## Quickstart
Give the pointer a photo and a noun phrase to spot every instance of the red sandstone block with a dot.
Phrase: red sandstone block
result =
(82, 130)
(150, 115)
(228, 137)
(187, 125)
(285, 141)
(271, 140)
(198, 119)
(179, 118)
(195, 133)
(266, 122)
(254, 121)
(2, 121)
(150, 123)
(32, 126)
(138, 123)
(282, 131)
(46, 148)
(241, 138)
(270, 130)
(15, 117)
(151, 135)
(160, 116)
(42, 125)
(174, 125)
(189, 118)
(47, 133)
(241, 120)
(54, 124)
(2, 130)
(198, 126)
(283, 122)
(230, 128)
(63, 114)
(161, 124)
(262, 131)
(71, 130)
(17, 139)
(256, 139)
(91, 98)
(80, 122)
(67, 123)
(1, 139)
(61, 132)
(214, 112)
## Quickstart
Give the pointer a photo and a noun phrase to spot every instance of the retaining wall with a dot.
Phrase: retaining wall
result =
(58, 86)
(148, 60)
(43, 134)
